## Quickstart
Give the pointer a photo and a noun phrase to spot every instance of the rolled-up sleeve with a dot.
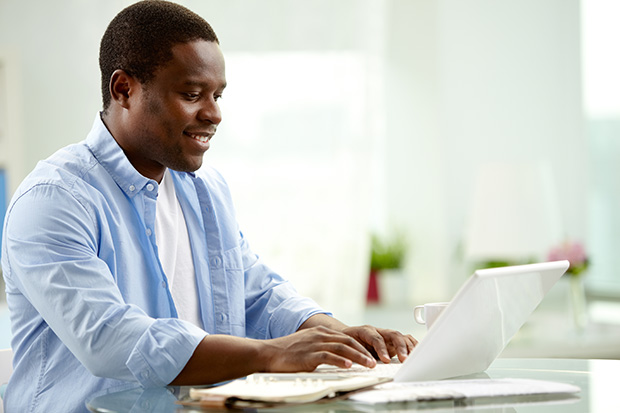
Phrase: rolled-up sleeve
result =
(161, 349)
(52, 245)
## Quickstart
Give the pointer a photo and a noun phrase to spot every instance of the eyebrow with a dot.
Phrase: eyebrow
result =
(201, 84)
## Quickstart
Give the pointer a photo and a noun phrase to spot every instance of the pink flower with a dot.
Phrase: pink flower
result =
(574, 252)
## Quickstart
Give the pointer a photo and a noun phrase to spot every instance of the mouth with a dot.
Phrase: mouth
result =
(203, 137)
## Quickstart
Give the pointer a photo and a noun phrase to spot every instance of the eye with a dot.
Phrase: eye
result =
(191, 95)
(217, 97)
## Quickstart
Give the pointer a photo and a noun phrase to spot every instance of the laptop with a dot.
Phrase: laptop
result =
(481, 319)
(469, 334)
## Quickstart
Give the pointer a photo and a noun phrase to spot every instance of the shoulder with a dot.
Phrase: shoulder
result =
(64, 168)
(58, 179)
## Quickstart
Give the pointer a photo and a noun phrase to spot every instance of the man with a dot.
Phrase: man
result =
(123, 264)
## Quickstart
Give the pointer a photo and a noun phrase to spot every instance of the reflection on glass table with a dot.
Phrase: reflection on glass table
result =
(597, 379)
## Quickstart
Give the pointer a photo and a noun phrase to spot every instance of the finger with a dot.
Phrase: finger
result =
(310, 361)
(327, 357)
(348, 347)
(350, 353)
(378, 343)
(352, 342)
(398, 344)
(402, 349)
(411, 342)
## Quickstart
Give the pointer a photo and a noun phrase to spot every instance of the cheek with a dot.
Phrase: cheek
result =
(186, 111)
(179, 115)
(153, 107)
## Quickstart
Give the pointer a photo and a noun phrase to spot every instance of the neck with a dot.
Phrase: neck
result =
(113, 122)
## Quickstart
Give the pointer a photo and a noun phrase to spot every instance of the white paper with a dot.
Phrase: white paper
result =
(459, 389)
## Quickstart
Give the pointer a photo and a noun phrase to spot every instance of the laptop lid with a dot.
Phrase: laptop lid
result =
(483, 316)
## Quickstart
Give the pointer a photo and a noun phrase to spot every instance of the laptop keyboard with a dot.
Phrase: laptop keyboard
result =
(380, 370)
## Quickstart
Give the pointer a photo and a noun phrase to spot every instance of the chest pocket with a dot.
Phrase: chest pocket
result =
(233, 272)
(232, 259)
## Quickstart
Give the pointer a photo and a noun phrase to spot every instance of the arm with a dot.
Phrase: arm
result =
(51, 262)
(231, 357)
(320, 340)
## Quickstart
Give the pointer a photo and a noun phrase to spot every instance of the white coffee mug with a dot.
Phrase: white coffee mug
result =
(428, 313)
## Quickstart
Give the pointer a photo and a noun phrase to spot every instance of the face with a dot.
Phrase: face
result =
(173, 117)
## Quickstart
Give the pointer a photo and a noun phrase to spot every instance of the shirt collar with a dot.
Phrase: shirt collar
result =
(111, 156)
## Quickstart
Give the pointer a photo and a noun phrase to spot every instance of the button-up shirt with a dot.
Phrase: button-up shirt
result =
(89, 302)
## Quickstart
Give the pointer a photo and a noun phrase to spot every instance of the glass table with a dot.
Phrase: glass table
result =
(598, 380)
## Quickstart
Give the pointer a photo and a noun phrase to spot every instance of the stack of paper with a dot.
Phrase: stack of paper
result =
(460, 389)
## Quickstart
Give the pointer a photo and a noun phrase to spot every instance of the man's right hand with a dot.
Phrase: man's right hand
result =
(220, 357)
(308, 348)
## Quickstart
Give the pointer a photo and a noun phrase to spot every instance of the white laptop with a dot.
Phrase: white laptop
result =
(474, 328)
(480, 320)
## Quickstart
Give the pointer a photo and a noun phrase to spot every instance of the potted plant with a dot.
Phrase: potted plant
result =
(385, 254)
(575, 253)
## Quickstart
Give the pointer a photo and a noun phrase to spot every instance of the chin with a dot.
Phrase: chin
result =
(187, 167)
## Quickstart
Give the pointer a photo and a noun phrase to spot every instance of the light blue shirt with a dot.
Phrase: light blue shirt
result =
(89, 302)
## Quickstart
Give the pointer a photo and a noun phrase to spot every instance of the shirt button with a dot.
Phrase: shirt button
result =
(148, 232)
(132, 188)
(163, 284)
(216, 261)
(150, 187)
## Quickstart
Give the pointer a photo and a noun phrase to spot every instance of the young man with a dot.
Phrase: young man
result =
(123, 264)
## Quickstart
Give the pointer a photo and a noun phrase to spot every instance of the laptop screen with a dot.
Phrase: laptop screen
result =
(480, 320)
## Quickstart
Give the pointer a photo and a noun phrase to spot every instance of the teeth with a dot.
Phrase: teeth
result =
(201, 138)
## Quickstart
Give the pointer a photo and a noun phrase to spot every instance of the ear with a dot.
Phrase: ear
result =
(122, 86)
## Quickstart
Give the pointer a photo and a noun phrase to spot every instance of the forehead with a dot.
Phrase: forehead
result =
(197, 61)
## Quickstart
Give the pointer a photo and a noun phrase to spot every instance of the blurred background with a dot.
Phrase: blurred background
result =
(427, 137)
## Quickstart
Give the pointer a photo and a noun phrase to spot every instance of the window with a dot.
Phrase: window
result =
(294, 146)
(601, 71)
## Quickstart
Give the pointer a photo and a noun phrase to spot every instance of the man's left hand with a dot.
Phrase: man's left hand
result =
(382, 342)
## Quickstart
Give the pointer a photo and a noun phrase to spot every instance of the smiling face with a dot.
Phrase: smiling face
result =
(168, 122)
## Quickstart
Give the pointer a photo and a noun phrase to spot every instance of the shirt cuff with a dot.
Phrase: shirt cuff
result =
(291, 314)
(163, 351)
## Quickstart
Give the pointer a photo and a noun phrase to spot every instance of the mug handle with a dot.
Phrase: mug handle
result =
(417, 314)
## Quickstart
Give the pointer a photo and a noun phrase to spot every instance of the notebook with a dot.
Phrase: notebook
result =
(278, 389)
(469, 334)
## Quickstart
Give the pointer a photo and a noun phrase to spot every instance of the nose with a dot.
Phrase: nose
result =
(210, 112)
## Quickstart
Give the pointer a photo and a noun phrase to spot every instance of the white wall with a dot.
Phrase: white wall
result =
(470, 82)
(54, 45)
(448, 84)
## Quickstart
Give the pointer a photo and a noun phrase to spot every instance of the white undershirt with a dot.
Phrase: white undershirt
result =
(175, 253)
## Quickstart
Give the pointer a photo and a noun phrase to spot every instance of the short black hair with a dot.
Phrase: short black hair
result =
(140, 39)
